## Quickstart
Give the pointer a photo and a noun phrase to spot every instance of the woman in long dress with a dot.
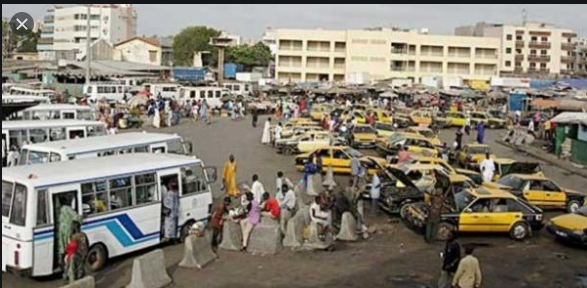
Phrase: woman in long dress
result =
(266, 139)
(171, 212)
(157, 120)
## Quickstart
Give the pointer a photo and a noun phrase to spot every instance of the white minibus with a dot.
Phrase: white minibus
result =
(56, 112)
(119, 199)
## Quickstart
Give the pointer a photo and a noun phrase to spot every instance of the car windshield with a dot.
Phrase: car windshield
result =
(353, 153)
(364, 129)
(498, 114)
(582, 211)
(427, 133)
(511, 181)
(479, 150)
(382, 126)
(463, 199)
(480, 116)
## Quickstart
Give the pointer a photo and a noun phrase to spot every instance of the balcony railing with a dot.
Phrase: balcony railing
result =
(539, 58)
(519, 44)
(569, 46)
(519, 58)
(399, 51)
(567, 59)
(539, 45)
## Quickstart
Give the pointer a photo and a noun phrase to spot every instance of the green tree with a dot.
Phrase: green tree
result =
(193, 39)
(28, 43)
(249, 56)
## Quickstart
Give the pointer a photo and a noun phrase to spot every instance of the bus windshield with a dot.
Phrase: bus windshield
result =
(7, 188)
(36, 157)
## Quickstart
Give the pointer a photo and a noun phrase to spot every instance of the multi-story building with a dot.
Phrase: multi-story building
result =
(529, 49)
(149, 51)
(580, 66)
(323, 55)
(65, 28)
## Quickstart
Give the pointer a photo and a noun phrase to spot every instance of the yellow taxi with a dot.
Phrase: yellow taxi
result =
(456, 119)
(320, 111)
(540, 191)
(570, 228)
(340, 160)
(421, 117)
(416, 144)
(358, 115)
(474, 175)
(402, 120)
(481, 210)
(382, 116)
(384, 130)
(472, 155)
(487, 119)
(505, 166)
(426, 133)
(363, 136)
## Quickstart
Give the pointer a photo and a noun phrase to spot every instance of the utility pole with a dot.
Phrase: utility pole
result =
(88, 46)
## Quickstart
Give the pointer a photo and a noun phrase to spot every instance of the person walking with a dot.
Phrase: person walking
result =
(356, 171)
(266, 138)
(459, 139)
(229, 177)
(217, 222)
(487, 168)
(451, 256)
(468, 274)
(257, 189)
(278, 130)
(170, 212)
(375, 194)
(480, 133)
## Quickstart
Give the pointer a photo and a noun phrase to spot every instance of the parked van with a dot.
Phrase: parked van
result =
(110, 91)
(212, 95)
(238, 89)
(167, 91)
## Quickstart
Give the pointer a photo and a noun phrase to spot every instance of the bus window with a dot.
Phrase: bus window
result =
(89, 90)
(94, 198)
(57, 134)
(6, 198)
(96, 131)
(55, 158)
(68, 115)
(142, 149)
(17, 138)
(76, 133)
(218, 94)
(146, 188)
(120, 193)
(42, 208)
(18, 211)
(175, 147)
(210, 94)
(37, 157)
(192, 94)
(37, 136)
(193, 180)
(202, 94)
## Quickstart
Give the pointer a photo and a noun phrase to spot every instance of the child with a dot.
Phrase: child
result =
(70, 252)
(270, 207)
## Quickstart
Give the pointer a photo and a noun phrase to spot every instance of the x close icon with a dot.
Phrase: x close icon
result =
(22, 24)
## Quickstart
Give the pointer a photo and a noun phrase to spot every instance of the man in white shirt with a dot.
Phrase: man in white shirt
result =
(257, 189)
(287, 202)
(488, 168)
(282, 180)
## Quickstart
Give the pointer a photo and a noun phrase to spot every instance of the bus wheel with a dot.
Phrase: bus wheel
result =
(97, 257)
(185, 230)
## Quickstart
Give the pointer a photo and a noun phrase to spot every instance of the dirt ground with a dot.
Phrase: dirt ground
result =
(394, 257)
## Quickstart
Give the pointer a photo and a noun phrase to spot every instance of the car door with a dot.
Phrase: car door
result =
(477, 217)
(326, 156)
(504, 214)
(321, 140)
(533, 192)
(341, 161)
(305, 144)
(553, 195)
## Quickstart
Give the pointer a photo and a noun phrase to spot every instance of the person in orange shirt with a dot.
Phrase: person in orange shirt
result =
(270, 207)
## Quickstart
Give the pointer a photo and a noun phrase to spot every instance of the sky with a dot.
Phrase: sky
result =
(251, 20)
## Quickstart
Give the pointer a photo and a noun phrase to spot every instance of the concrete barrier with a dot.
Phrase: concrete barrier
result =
(266, 238)
(314, 243)
(232, 237)
(294, 237)
(86, 282)
(149, 271)
(348, 228)
(198, 252)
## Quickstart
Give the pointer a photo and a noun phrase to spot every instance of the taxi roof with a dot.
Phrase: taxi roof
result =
(504, 160)
(486, 192)
(528, 177)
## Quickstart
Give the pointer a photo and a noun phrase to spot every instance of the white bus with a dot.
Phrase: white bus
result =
(94, 147)
(23, 91)
(17, 133)
(119, 197)
(112, 92)
(167, 91)
(212, 95)
(239, 89)
(6, 98)
(57, 112)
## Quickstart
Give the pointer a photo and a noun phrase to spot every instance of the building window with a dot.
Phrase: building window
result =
(509, 37)
(519, 38)
(542, 66)
(518, 51)
(534, 38)
(532, 65)
(518, 64)
(544, 39)
(543, 52)
(533, 52)
(508, 50)
(508, 63)
(153, 56)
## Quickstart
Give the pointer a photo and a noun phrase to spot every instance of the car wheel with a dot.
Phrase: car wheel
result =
(445, 231)
(403, 211)
(573, 206)
(520, 231)
(97, 257)
(288, 151)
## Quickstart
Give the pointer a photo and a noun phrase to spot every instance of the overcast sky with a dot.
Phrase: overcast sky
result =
(250, 20)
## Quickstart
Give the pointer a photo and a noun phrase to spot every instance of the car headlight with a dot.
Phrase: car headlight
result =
(539, 217)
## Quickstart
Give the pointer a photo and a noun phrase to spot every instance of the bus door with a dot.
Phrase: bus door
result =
(5, 146)
(168, 182)
(69, 197)
(76, 133)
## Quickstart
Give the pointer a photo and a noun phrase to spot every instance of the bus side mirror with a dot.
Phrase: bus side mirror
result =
(212, 173)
